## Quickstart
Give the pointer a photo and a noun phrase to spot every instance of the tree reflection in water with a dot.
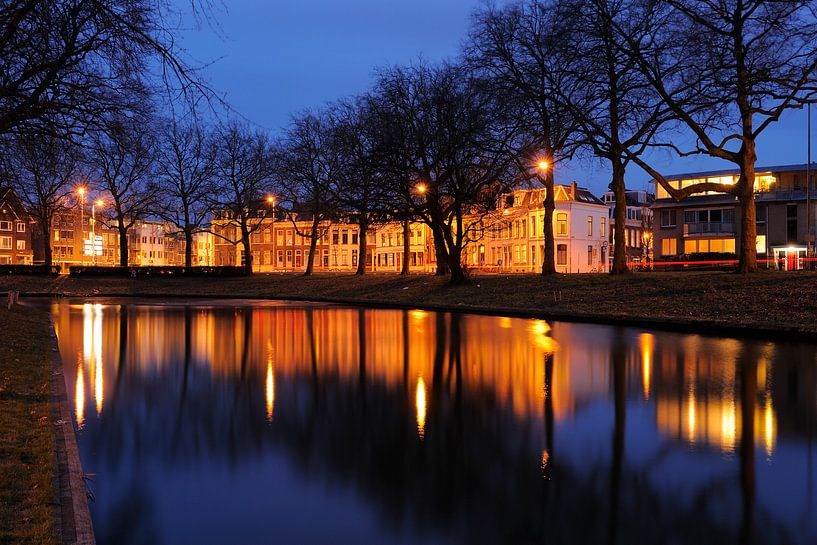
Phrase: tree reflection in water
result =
(442, 428)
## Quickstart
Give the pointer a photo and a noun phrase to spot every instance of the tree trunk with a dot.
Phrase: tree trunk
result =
(361, 249)
(620, 217)
(406, 247)
(188, 248)
(245, 241)
(313, 243)
(123, 242)
(48, 254)
(549, 259)
(747, 255)
(440, 252)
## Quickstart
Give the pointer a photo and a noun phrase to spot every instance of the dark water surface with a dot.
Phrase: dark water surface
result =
(250, 423)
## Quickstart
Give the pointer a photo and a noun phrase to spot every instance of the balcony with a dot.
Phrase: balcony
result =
(709, 228)
(784, 195)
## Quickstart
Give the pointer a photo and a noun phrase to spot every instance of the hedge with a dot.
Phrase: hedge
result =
(141, 272)
(30, 269)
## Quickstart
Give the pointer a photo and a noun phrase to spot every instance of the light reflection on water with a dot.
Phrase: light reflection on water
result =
(254, 424)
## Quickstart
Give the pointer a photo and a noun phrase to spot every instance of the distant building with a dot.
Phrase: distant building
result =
(514, 235)
(708, 225)
(638, 228)
(15, 230)
(388, 253)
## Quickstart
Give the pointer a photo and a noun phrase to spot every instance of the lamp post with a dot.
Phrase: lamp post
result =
(81, 192)
(271, 202)
(93, 229)
(647, 236)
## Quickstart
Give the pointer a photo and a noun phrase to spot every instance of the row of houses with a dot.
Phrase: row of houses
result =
(509, 239)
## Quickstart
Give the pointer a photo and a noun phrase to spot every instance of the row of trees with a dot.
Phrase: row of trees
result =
(538, 82)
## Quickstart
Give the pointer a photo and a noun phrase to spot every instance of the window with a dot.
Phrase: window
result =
(5, 243)
(533, 226)
(603, 232)
(561, 224)
(345, 237)
(335, 237)
(354, 238)
(21, 244)
(21, 227)
(561, 254)
(668, 218)
(669, 246)
(354, 254)
(589, 254)
(5, 226)
(590, 226)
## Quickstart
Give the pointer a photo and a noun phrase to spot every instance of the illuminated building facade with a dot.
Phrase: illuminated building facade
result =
(708, 225)
(638, 226)
(15, 230)
(514, 236)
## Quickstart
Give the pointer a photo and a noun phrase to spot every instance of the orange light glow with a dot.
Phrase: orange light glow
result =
(543, 165)
(79, 397)
(646, 343)
(420, 404)
(421, 188)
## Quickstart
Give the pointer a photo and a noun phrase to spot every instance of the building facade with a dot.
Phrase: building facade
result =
(514, 236)
(708, 225)
(16, 227)
(638, 227)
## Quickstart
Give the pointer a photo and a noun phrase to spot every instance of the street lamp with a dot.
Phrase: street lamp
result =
(271, 202)
(646, 236)
(81, 192)
(543, 165)
(421, 188)
(98, 203)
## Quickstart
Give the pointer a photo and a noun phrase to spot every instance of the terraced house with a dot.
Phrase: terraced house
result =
(15, 230)
(707, 226)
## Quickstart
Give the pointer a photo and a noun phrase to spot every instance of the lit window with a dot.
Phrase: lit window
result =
(561, 224)
(590, 226)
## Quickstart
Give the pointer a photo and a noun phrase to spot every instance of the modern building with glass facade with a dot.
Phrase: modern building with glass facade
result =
(707, 225)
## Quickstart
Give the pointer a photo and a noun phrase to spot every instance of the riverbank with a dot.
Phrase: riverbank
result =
(770, 303)
(27, 464)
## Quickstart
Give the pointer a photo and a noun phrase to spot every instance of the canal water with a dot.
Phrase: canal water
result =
(248, 422)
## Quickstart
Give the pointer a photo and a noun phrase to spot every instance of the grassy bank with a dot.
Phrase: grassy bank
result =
(27, 494)
(773, 301)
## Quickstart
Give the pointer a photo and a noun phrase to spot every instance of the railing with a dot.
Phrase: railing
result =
(784, 195)
(709, 228)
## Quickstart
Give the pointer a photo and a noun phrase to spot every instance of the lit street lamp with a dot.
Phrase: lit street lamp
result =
(81, 192)
(93, 229)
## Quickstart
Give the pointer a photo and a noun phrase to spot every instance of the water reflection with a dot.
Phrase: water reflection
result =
(403, 426)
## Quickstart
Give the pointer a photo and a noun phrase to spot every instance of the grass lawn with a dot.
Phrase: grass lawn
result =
(27, 490)
(768, 300)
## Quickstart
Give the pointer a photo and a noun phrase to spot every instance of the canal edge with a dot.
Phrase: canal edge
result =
(73, 517)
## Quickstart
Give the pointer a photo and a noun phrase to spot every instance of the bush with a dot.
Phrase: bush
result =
(141, 272)
(30, 269)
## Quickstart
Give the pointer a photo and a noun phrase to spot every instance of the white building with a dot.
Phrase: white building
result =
(514, 239)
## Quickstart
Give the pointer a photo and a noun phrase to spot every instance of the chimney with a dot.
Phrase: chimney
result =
(573, 187)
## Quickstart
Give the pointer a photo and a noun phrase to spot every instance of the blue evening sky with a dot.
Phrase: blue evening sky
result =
(275, 57)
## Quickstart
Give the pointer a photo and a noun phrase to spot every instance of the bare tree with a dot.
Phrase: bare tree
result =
(243, 175)
(185, 170)
(617, 112)
(732, 73)
(517, 48)
(69, 64)
(307, 165)
(43, 171)
(359, 188)
(121, 161)
(454, 142)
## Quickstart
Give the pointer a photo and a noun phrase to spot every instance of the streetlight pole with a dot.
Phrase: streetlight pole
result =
(81, 192)
(271, 201)
(93, 230)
